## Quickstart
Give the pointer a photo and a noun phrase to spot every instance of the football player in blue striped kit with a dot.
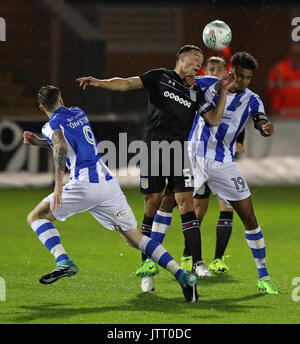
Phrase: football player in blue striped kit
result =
(215, 66)
(212, 151)
(91, 188)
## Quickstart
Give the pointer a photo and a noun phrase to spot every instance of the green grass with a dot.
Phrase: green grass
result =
(106, 291)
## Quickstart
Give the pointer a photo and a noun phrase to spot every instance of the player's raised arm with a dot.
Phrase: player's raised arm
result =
(60, 156)
(32, 139)
(214, 116)
(114, 84)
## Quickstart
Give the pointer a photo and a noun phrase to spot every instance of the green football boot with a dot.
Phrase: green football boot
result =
(218, 266)
(267, 286)
(186, 263)
(148, 268)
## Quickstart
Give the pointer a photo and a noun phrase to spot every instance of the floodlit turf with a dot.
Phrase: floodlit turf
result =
(106, 291)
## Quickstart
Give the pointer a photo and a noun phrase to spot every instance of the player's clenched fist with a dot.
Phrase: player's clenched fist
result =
(28, 137)
(267, 129)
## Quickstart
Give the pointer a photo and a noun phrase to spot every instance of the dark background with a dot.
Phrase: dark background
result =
(41, 48)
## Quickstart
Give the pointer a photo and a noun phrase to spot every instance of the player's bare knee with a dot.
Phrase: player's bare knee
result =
(126, 237)
(252, 224)
(41, 211)
(33, 216)
(30, 218)
(199, 213)
(168, 203)
(250, 221)
(152, 203)
(184, 202)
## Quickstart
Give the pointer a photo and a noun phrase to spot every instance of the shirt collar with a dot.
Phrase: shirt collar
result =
(57, 111)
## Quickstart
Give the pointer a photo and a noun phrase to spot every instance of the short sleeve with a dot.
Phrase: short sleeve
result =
(150, 78)
(205, 82)
(211, 95)
(256, 106)
(55, 124)
(47, 133)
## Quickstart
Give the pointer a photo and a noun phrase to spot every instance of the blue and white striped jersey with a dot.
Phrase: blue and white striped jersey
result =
(218, 142)
(83, 158)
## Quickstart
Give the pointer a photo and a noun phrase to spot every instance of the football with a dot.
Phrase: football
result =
(217, 35)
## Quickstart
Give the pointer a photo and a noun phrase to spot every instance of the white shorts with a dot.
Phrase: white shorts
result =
(104, 200)
(225, 180)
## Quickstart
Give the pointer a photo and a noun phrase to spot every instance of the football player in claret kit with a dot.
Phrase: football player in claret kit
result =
(212, 153)
(215, 66)
(91, 188)
(171, 110)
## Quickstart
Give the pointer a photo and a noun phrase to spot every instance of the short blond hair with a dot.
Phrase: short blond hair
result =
(216, 59)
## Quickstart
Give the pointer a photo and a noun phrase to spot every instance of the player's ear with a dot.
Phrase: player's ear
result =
(181, 58)
(61, 101)
(41, 108)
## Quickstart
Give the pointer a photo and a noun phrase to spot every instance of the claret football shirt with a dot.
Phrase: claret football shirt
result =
(171, 105)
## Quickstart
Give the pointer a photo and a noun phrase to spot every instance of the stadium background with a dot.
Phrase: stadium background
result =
(54, 42)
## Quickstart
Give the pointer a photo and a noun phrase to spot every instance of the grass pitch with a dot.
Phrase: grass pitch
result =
(106, 291)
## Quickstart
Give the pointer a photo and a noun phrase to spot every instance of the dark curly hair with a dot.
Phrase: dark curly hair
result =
(245, 60)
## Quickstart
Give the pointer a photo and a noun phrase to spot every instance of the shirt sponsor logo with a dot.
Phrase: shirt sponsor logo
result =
(226, 118)
(178, 99)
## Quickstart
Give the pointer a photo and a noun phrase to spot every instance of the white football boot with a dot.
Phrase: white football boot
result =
(200, 270)
(147, 284)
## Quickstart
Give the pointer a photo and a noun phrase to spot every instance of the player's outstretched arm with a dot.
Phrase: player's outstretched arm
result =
(59, 156)
(32, 139)
(114, 84)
